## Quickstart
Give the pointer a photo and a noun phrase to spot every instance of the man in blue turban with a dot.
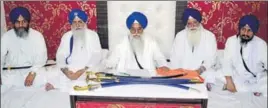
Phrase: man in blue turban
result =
(245, 64)
(23, 51)
(20, 14)
(79, 51)
(138, 50)
(194, 47)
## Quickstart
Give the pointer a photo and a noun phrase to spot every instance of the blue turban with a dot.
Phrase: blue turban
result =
(16, 12)
(139, 17)
(191, 12)
(79, 13)
(251, 21)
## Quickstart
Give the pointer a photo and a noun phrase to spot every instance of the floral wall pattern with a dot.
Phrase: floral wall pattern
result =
(221, 17)
(51, 18)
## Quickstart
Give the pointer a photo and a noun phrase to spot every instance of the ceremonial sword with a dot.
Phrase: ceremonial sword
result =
(104, 74)
(107, 77)
(109, 80)
(112, 84)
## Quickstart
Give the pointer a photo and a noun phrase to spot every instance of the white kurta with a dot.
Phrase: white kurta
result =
(255, 56)
(122, 57)
(29, 51)
(18, 52)
(82, 55)
(19, 97)
(181, 55)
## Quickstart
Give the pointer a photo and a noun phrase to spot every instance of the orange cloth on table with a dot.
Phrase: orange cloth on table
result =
(190, 74)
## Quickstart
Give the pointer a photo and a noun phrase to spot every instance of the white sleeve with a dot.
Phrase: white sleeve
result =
(40, 57)
(210, 61)
(113, 57)
(227, 59)
(4, 50)
(96, 49)
(175, 54)
(62, 52)
(158, 56)
(263, 55)
(262, 75)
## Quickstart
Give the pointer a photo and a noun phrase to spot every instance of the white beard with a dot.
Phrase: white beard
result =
(194, 36)
(79, 36)
(137, 44)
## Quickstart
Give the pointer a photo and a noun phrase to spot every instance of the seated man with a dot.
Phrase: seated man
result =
(137, 50)
(245, 64)
(79, 51)
(23, 52)
(194, 48)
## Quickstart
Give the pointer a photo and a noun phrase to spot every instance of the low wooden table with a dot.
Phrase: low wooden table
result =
(140, 96)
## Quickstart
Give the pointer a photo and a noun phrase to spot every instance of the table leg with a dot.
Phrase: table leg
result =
(204, 103)
(73, 101)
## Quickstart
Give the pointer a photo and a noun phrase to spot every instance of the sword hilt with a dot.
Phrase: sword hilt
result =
(88, 87)
(99, 77)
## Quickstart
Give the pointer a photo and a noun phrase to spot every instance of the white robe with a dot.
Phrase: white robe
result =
(181, 55)
(17, 52)
(30, 51)
(122, 57)
(82, 55)
(20, 97)
(255, 56)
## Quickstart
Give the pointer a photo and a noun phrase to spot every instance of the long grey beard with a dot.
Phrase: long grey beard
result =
(137, 44)
(79, 36)
(194, 37)
(21, 32)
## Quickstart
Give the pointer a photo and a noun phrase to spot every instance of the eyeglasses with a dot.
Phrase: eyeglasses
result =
(192, 24)
(134, 30)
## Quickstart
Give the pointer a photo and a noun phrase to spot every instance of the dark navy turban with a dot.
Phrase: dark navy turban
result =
(16, 12)
(193, 13)
(251, 21)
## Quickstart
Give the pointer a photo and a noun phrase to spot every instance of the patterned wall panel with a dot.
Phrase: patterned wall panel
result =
(102, 23)
(221, 17)
(180, 6)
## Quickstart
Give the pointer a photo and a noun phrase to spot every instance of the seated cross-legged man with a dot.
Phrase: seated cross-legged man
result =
(23, 55)
(23, 52)
(244, 71)
(79, 51)
(194, 48)
(137, 50)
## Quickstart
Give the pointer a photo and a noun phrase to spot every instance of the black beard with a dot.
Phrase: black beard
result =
(22, 31)
(245, 41)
